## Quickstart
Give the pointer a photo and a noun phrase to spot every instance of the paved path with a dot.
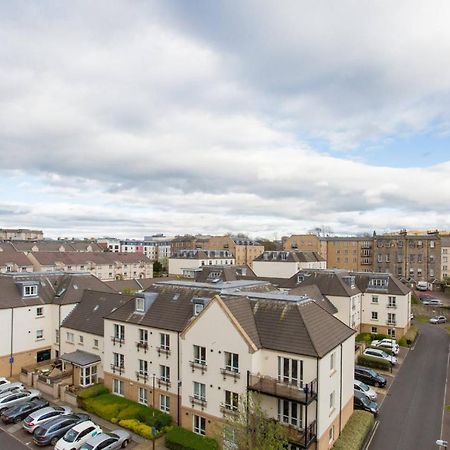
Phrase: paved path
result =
(411, 415)
(8, 442)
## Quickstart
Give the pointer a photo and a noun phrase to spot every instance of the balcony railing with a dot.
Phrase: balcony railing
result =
(163, 350)
(142, 345)
(198, 401)
(230, 372)
(392, 306)
(164, 382)
(229, 409)
(141, 376)
(305, 393)
(118, 340)
(391, 322)
(302, 436)
(117, 369)
(198, 365)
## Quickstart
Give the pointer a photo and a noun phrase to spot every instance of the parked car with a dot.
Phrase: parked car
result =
(3, 381)
(431, 301)
(362, 387)
(108, 441)
(17, 413)
(37, 418)
(52, 431)
(13, 398)
(380, 354)
(361, 401)
(78, 435)
(422, 286)
(438, 319)
(369, 376)
(7, 387)
(389, 344)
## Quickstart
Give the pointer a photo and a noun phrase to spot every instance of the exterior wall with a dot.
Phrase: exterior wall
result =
(13, 267)
(445, 258)
(349, 309)
(303, 243)
(244, 254)
(176, 265)
(20, 235)
(351, 254)
(284, 269)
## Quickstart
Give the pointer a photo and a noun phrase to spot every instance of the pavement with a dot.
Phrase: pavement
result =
(411, 415)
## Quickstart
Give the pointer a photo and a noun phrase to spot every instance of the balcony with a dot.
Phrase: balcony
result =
(142, 376)
(301, 436)
(117, 369)
(164, 382)
(391, 323)
(230, 372)
(141, 345)
(392, 306)
(118, 340)
(198, 365)
(198, 401)
(229, 410)
(275, 388)
(163, 350)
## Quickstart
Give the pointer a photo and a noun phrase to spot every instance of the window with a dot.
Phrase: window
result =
(374, 298)
(117, 386)
(118, 360)
(95, 343)
(199, 425)
(143, 396)
(39, 311)
(143, 336)
(332, 361)
(290, 371)
(164, 372)
(88, 375)
(232, 362)
(70, 337)
(143, 367)
(374, 330)
(39, 334)
(391, 318)
(392, 302)
(165, 341)
(331, 434)
(164, 401)
(119, 332)
(199, 391)
(231, 400)
(81, 339)
(391, 332)
(199, 354)
(431, 244)
(374, 315)
(290, 413)
(140, 306)
(30, 291)
(332, 398)
(198, 308)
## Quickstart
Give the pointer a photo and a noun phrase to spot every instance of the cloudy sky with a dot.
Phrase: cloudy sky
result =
(264, 117)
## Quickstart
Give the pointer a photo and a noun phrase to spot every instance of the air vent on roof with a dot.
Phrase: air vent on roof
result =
(75, 286)
(95, 308)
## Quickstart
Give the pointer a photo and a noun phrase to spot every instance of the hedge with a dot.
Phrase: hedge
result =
(409, 337)
(93, 391)
(128, 414)
(180, 439)
(375, 363)
(355, 431)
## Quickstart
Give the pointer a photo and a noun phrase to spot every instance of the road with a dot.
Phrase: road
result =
(8, 442)
(411, 415)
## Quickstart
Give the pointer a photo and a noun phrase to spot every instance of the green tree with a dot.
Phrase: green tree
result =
(253, 429)
(157, 267)
(128, 291)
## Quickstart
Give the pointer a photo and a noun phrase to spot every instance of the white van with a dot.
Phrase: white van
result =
(422, 286)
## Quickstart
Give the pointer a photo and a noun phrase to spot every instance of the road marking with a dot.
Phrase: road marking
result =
(374, 430)
(445, 391)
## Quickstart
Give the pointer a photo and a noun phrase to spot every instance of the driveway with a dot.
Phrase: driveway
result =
(411, 414)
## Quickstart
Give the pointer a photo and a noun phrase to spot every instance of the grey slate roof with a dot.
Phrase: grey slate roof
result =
(394, 287)
(80, 358)
(289, 256)
(135, 284)
(303, 328)
(88, 316)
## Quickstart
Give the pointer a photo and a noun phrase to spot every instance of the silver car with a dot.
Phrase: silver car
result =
(7, 387)
(108, 441)
(14, 398)
(43, 415)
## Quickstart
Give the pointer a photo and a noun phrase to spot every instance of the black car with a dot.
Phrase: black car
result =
(50, 432)
(369, 376)
(361, 401)
(17, 413)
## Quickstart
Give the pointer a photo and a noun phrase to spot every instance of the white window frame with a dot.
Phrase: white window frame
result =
(40, 311)
(119, 360)
(290, 413)
(164, 373)
(140, 304)
(165, 341)
(143, 396)
(199, 391)
(143, 367)
(164, 403)
(232, 362)
(30, 291)
(118, 387)
(88, 375)
(374, 315)
(231, 400)
(332, 400)
(199, 425)
(199, 355)
(39, 334)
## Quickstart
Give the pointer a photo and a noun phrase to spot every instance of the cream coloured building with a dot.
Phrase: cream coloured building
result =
(243, 249)
(184, 262)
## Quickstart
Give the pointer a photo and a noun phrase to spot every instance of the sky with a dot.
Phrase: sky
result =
(261, 117)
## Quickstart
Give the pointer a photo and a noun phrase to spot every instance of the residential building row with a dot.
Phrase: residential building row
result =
(186, 262)
(12, 234)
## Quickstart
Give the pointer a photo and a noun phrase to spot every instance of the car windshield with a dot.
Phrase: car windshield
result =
(364, 387)
(86, 447)
(70, 436)
(364, 400)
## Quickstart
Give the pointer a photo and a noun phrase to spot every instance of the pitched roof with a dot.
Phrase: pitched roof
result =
(282, 256)
(88, 316)
(172, 308)
(223, 273)
(13, 257)
(303, 328)
(394, 285)
(75, 258)
(81, 358)
(313, 292)
(49, 245)
(134, 284)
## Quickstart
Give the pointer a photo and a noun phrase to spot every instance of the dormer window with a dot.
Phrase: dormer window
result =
(30, 291)
(198, 308)
(140, 305)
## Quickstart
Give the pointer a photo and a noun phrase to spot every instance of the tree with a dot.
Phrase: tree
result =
(157, 267)
(128, 291)
(253, 429)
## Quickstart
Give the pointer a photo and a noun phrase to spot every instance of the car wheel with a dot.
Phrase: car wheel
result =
(376, 384)
(17, 420)
(54, 441)
(125, 443)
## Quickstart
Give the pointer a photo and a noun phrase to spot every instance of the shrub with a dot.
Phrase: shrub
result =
(180, 439)
(355, 431)
(93, 391)
(375, 363)
(137, 427)
(379, 337)
(414, 298)
(363, 337)
(409, 338)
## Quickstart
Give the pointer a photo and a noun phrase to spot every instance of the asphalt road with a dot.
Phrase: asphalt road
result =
(8, 442)
(411, 415)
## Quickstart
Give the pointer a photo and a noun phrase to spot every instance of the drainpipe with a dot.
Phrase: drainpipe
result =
(11, 344)
(317, 401)
(340, 397)
(178, 380)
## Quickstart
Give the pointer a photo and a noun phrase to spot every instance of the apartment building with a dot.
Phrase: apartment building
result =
(350, 253)
(12, 234)
(412, 258)
(244, 250)
(81, 345)
(445, 255)
(60, 245)
(12, 261)
(142, 356)
(285, 264)
(32, 307)
(306, 243)
(277, 349)
(104, 265)
(188, 242)
(185, 262)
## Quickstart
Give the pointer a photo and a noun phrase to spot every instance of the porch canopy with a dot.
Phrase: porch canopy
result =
(79, 358)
